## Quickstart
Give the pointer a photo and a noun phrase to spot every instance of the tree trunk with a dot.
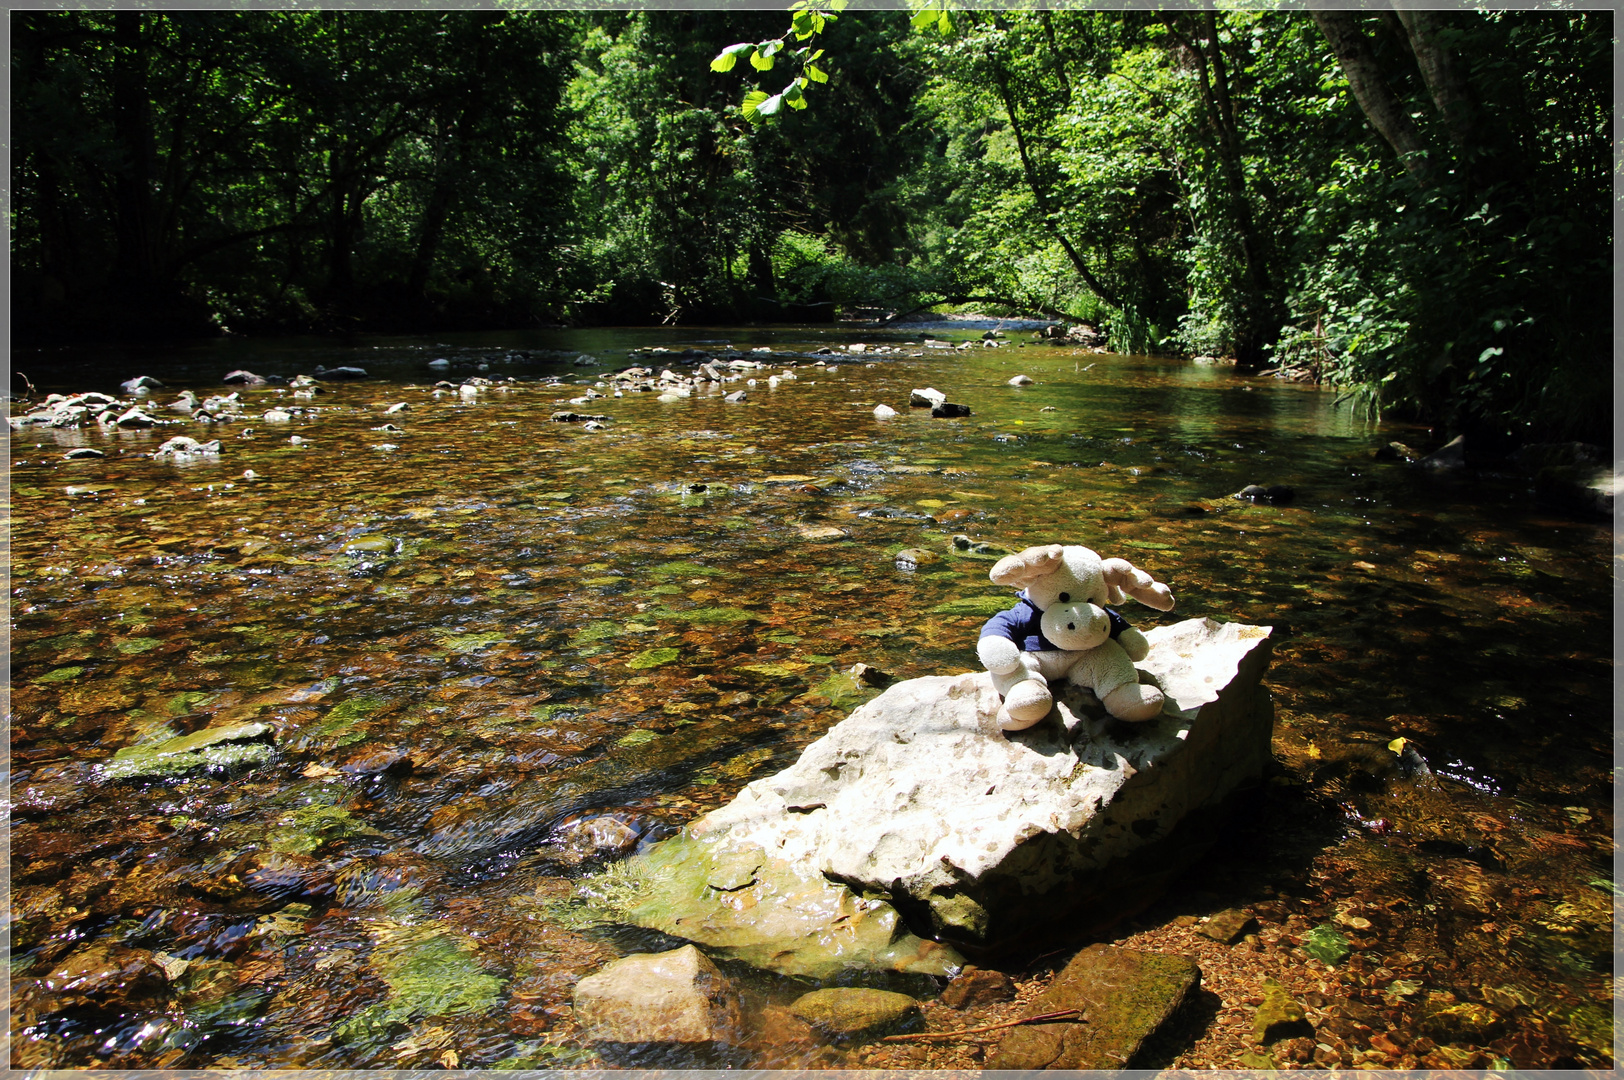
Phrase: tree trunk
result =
(1040, 194)
(429, 231)
(1443, 77)
(1376, 99)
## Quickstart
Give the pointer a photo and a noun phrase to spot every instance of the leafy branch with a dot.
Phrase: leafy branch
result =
(808, 20)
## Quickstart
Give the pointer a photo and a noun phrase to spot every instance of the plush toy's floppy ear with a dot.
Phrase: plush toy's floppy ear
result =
(1123, 576)
(1025, 567)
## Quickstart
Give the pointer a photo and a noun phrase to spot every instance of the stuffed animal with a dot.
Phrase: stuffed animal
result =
(1061, 629)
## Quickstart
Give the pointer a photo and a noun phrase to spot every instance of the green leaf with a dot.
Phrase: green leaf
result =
(729, 56)
(944, 24)
(771, 106)
(816, 74)
(761, 61)
(924, 17)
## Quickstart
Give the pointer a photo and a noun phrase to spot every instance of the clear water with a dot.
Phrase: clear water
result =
(507, 633)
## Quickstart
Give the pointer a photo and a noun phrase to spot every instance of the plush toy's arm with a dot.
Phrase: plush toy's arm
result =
(1123, 578)
(999, 648)
(998, 655)
(1134, 644)
(1024, 567)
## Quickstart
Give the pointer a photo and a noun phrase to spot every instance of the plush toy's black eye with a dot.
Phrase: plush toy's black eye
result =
(1065, 598)
(1071, 626)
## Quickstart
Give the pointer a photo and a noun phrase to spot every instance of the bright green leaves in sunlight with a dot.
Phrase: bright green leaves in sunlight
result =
(929, 18)
(729, 56)
(806, 22)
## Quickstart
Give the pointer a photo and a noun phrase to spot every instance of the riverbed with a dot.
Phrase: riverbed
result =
(469, 653)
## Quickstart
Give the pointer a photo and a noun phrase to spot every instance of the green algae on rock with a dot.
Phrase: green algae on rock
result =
(1280, 1016)
(224, 747)
(740, 904)
(1124, 996)
(430, 971)
(857, 1012)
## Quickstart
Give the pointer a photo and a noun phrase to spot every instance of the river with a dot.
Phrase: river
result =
(464, 653)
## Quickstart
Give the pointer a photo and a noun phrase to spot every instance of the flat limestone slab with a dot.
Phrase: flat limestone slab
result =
(918, 804)
(1125, 995)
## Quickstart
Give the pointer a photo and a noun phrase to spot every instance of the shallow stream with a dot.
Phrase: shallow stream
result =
(467, 660)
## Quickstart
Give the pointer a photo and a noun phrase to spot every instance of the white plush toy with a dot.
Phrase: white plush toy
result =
(1062, 630)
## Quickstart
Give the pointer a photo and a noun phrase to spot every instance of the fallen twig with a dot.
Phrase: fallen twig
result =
(1060, 1014)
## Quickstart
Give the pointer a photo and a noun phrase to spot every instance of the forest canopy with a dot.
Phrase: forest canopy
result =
(1414, 205)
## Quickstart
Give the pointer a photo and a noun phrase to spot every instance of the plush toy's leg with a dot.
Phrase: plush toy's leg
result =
(1134, 701)
(1027, 702)
(1108, 672)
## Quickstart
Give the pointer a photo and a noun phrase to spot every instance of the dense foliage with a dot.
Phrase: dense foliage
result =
(1415, 205)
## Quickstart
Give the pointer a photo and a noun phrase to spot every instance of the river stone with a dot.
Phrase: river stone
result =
(1450, 456)
(104, 969)
(987, 840)
(1280, 1016)
(742, 904)
(928, 398)
(135, 418)
(226, 746)
(974, 987)
(884, 412)
(669, 997)
(855, 1012)
(1125, 995)
(181, 449)
(1020, 380)
(1464, 1022)
(1228, 926)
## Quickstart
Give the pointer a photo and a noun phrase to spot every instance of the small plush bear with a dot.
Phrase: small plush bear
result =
(1061, 629)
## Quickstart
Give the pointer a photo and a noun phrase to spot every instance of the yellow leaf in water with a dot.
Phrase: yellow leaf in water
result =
(1313, 751)
(1397, 745)
(313, 771)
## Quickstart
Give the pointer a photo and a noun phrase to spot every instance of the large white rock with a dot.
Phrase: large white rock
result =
(979, 837)
(670, 997)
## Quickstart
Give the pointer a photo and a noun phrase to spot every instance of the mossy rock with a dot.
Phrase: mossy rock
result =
(856, 1012)
(1460, 1022)
(1125, 995)
(230, 746)
(740, 904)
(1280, 1016)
